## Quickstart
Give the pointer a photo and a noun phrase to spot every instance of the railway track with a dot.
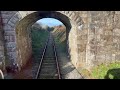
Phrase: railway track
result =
(49, 66)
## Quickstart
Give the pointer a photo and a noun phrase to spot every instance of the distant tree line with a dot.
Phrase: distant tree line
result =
(39, 26)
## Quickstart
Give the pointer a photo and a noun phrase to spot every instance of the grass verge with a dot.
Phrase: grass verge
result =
(103, 71)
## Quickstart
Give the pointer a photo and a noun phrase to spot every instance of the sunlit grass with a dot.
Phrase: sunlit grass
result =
(103, 71)
(110, 71)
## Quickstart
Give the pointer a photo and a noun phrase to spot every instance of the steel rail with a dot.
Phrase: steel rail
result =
(56, 59)
(39, 68)
(42, 58)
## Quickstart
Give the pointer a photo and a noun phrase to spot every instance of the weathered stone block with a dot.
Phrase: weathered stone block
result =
(11, 44)
(8, 27)
(5, 21)
(11, 24)
(116, 32)
(108, 58)
(14, 20)
(99, 59)
(9, 33)
(117, 57)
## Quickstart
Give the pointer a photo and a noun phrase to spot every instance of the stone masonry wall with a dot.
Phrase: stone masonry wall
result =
(24, 48)
(104, 36)
(2, 56)
(93, 37)
(82, 40)
(98, 41)
(9, 35)
(23, 39)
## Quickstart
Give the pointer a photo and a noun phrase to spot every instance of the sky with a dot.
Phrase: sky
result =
(50, 22)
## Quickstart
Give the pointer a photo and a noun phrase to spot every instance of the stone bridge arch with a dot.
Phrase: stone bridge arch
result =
(94, 36)
(17, 23)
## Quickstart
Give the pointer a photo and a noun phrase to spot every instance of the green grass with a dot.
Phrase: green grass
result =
(39, 38)
(110, 71)
(61, 44)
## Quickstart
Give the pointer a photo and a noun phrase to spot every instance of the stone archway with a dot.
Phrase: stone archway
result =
(94, 35)
(17, 34)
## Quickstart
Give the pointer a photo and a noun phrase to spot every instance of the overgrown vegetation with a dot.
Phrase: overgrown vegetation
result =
(39, 38)
(60, 37)
(104, 71)
(61, 44)
(110, 71)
